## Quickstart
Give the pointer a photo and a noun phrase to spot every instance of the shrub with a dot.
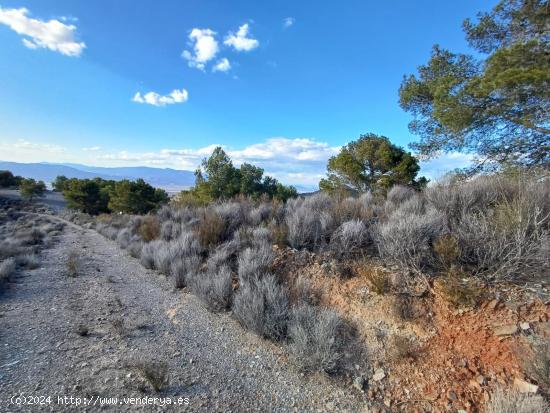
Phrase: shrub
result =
(135, 247)
(184, 269)
(211, 230)
(30, 261)
(399, 194)
(261, 305)
(73, 264)
(254, 262)
(223, 254)
(459, 289)
(349, 239)
(318, 338)
(511, 243)
(259, 214)
(148, 252)
(401, 347)
(537, 364)
(123, 238)
(7, 268)
(149, 228)
(156, 373)
(214, 289)
(514, 402)
(406, 239)
(378, 281)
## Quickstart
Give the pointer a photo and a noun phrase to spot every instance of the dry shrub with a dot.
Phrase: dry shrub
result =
(214, 289)
(7, 268)
(212, 229)
(401, 347)
(262, 305)
(149, 228)
(184, 269)
(537, 363)
(72, 264)
(279, 233)
(511, 401)
(459, 289)
(447, 250)
(378, 281)
(156, 373)
(255, 262)
(319, 339)
(350, 239)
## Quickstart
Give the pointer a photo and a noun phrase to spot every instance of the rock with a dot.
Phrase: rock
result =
(505, 330)
(481, 380)
(451, 395)
(359, 383)
(378, 375)
(525, 326)
(493, 304)
(525, 387)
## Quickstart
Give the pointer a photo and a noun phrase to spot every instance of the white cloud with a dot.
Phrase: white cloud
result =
(240, 41)
(153, 98)
(205, 47)
(51, 34)
(92, 149)
(223, 65)
(288, 21)
(437, 167)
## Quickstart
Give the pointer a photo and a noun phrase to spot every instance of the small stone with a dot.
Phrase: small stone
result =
(525, 387)
(481, 380)
(505, 330)
(525, 326)
(359, 383)
(378, 375)
(493, 304)
(451, 395)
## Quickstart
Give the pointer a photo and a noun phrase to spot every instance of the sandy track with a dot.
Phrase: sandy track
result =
(134, 315)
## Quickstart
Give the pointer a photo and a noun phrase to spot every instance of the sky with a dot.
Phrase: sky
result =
(279, 84)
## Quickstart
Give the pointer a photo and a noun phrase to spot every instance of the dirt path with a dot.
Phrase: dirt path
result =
(87, 336)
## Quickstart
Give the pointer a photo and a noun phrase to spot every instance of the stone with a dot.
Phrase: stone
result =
(525, 387)
(451, 395)
(481, 380)
(378, 375)
(525, 326)
(493, 304)
(505, 330)
(359, 383)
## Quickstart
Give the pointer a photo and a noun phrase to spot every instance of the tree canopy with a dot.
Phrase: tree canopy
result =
(496, 106)
(7, 179)
(219, 179)
(31, 188)
(96, 196)
(371, 162)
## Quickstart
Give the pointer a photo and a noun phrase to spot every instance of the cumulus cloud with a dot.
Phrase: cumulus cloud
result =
(240, 40)
(223, 65)
(92, 149)
(288, 21)
(205, 47)
(51, 34)
(153, 98)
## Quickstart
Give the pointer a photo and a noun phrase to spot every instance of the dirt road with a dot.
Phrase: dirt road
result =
(99, 334)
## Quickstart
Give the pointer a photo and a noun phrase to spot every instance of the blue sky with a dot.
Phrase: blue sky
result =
(281, 84)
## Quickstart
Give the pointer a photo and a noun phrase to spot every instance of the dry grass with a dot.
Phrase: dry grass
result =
(72, 264)
(156, 373)
(149, 228)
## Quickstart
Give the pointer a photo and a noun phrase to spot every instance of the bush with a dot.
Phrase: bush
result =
(261, 305)
(7, 268)
(214, 289)
(183, 269)
(406, 239)
(514, 402)
(149, 228)
(318, 339)
(224, 254)
(148, 252)
(254, 262)
(309, 221)
(349, 239)
(211, 230)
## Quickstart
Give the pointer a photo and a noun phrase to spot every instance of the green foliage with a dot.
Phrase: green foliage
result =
(135, 197)
(497, 107)
(87, 195)
(30, 188)
(370, 163)
(96, 196)
(7, 179)
(219, 179)
(59, 183)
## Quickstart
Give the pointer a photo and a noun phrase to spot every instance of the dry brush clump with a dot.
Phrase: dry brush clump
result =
(319, 339)
(262, 305)
(503, 401)
(214, 288)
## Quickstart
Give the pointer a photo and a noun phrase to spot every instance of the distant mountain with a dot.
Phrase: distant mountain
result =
(169, 179)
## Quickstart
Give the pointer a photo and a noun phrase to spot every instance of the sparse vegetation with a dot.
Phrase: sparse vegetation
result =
(73, 264)
(503, 401)
(156, 373)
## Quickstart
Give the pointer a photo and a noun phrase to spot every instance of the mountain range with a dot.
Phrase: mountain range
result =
(172, 180)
